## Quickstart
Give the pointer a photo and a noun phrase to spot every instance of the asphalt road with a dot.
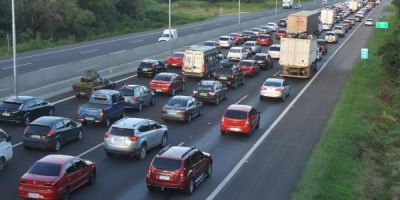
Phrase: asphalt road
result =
(123, 177)
(35, 60)
(273, 170)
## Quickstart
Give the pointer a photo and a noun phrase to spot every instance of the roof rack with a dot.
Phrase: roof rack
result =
(164, 149)
(188, 151)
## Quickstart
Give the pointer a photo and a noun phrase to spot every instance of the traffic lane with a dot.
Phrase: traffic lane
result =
(277, 164)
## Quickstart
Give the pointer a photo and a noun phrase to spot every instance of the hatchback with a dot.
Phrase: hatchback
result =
(264, 40)
(210, 91)
(177, 167)
(136, 96)
(176, 59)
(55, 177)
(182, 108)
(275, 88)
(237, 37)
(168, 83)
(134, 136)
(225, 41)
(249, 67)
(240, 119)
(274, 51)
(150, 67)
(51, 132)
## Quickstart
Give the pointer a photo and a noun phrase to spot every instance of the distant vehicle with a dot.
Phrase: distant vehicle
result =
(360, 14)
(346, 28)
(272, 26)
(134, 137)
(275, 88)
(240, 119)
(150, 68)
(280, 34)
(331, 37)
(369, 22)
(226, 41)
(348, 24)
(102, 107)
(176, 59)
(264, 60)
(249, 35)
(168, 83)
(256, 31)
(297, 6)
(24, 109)
(137, 96)
(89, 82)
(168, 35)
(55, 177)
(249, 67)
(252, 47)
(264, 40)
(339, 30)
(200, 61)
(211, 43)
(282, 22)
(51, 133)
(327, 18)
(237, 54)
(323, 47)
(351, 20)
(238, 38)
(210, 91)
(302, 24)
(6, 151)
(274, 51)
(230, 75)
(181, 108)
(287, 4)
(357, 18)
(177, 167)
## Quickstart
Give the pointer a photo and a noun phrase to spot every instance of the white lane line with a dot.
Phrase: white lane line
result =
(2, 90)
(181, 144)
(240, 100)
(93, 50)
(124, 79)
(277, 73)
(21, 65)
(119, 51)
(232, 173)
(15, 145)
(136, 41)
(90, 150)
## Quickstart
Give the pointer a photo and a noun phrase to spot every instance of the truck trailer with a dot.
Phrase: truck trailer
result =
(328, 18)
(303, 23)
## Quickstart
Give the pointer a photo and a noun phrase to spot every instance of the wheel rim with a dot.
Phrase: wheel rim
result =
(27, 121)
(80, 135)
(164, 141)
(143, 153)
(58, 146)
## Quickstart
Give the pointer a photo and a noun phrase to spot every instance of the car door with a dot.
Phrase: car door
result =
(61, 132)
(155, 132)
(197, 165)
(144, 95)
(82, 171)
(33, 109)
(5, 146)
(146, 132)
(72, 175)
(70, 131)
(41, 106)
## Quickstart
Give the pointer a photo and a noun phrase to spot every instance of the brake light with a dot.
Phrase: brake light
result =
(182, 174)
(50, 133)
(279, 89)
(106, 135)
(163, 109)
(263, 88)
(182, 111)
(133, 138)
(133, 98)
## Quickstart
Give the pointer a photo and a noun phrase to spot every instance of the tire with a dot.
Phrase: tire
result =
(140, 107)
(164, 141)
(51, 112)
(190, 187)
(79, 137)
(142, 152)
(150, 188)
(27, 120)
(107, 123)
(217, 100)
(242, 83)
(189, 119)
(109, 154)
(2, 163)
(57, 145)
(66, 194)
(92, 178)
(209, 171)
(222, 132)
(153, 100)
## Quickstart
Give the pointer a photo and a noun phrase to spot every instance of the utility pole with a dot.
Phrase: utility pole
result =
(169, 19)
(14, 48)
(239, 12)
(276, 8)
(8, 43)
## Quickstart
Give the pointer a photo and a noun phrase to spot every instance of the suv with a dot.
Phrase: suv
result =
(136, 96)
(211, 91)
(179, 167)
(230, 75)
(240, 119)
(150, 67)
(200, 61)
(134, 136)
(264, 60)
(237, 54)
(6, 151)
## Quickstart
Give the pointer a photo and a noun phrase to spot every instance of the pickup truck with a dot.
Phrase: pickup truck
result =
(89, 82)
(103, 106)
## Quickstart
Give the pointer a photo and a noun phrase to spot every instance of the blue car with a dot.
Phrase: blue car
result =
(136, 96)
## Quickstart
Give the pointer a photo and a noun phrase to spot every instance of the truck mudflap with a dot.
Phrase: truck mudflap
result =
(305, 73)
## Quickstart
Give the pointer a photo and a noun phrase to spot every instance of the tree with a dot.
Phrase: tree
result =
(132, 8)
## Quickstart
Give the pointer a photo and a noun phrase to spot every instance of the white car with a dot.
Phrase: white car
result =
(168, 35)
(275, 88)
(274, 51)
(331, 37)
(6, 152)
(237, 54)
(226, 41)
(369, 22)
(272, 26)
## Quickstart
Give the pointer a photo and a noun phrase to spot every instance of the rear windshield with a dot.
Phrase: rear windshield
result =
(177, 102)
(9, 106)
(178, 55)
(236, 114)
(321, 42)
(245, 63)
(224, 71)
(248, 44)
(282, 21)
(37, 129)
(330, 34)
(204, 88)
(263, 36)
(45, 169)
(281, 31)
(163, 78)
(338, 28)
(146, 65)
(121, 131)
(166, 164)
(234, 50)
(274, 48)
(272, 83)
(258, 57)
(127, 92)
(271, 24)
(224, 38)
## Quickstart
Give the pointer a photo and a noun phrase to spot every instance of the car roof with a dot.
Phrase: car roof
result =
(251, 42)
(149, 60)
(261, 54)
(322, 40)
(56, 159)
(208, 82)
(128, 122)
(280, 80)
(47, 120)
(253, 61)
(237, 48)
(106, 92)
(182, 52)
(18, 99)
(240, 107)
(225, 36)
(175, 152)
(167, 74)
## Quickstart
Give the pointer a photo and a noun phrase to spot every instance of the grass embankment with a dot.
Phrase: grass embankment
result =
(358, 156)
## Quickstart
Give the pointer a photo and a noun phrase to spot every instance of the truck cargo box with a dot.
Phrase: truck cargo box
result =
(303, 22)
(298, 53)
(328, 18)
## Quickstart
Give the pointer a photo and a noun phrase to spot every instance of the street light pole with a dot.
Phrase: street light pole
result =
(239, 12)
(14, 48)
(276, 8)
(169, 19)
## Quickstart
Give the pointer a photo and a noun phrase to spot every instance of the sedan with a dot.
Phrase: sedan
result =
(136, 96)
(182, 108)
(249, 67)
(369, 22)
(252, 47)
(55, 177)
(210, 91)
(168, 83)
(176, 59)
(150, 67)
(51, 132)
(275, 88)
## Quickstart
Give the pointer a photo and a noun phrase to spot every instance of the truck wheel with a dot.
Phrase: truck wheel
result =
(107, 123)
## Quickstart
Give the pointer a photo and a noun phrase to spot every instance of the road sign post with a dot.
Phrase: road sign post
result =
(364, 55)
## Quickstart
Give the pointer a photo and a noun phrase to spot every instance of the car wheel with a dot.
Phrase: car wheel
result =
(51, 112)
(79, 137)
(235, 85)
(283, 97)
(189, 119)
(2, 163)
(57, 145)
(107, 123)
(183, 87)
(109, 154)
(217, 100)
(153, 100)
(140, 107)
(78, 96)
(190, 187)
(173, 92)
(92, 178)
(164, 141)
(223, 132)
(27, 120)
(209, 171)
(142, 152)
(66, 194)
(242, 83)
(150, 188)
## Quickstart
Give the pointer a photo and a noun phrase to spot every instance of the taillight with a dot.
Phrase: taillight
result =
(279, 89)
(133, 138)
(50, 184)
(182, 111)
(163, 109)
(182, 174)
(50, 133)
(263, 88)
(106, 135)
(133, 98)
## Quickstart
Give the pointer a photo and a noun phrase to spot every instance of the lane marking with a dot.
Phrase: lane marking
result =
(21, 65)
(119, 51)
(181, 144)
(15, 145)
(90, 150)
(136, 41)
(239, 165)
(277, 73)
(2, 90)
(240, 100)
(93, 50)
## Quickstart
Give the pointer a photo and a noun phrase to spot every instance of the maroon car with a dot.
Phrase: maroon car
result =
(238, 38)
(280, 34)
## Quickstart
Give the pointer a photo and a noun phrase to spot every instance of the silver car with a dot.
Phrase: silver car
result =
(252, 47)
(134, 136)
(275, 88)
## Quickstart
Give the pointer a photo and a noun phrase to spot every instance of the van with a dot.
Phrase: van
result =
(200, 61)
(6, 152)
(360, 14)
(168, 35)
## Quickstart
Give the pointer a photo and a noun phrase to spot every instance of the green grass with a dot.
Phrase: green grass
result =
(355, 156)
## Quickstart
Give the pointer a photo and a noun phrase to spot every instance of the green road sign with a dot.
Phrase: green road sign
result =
(384, 25)
(364, 53)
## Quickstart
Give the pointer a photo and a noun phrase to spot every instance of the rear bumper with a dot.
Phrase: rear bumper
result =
(38, 143)
(177, 117)
(161, 185)
(193, 74)
(127, 151)
(23, 192)
(90, 119)
(235, 129)
(205, 98)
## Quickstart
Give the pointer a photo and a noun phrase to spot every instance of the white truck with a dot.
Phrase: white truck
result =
(168, 35)
(298, 57)
(6, 151)
(327, 19)
(353, 6)
(287, 4)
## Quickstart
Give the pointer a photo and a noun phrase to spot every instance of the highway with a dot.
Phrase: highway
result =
(281, 156)
(35, 60)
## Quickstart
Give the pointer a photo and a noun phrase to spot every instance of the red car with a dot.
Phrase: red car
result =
(240, 119)
(176, 59)
(55, 176)
(249, 67)
(322, 45)
(348, 24)
(280, 33)
(264, 40)
(168, 83)
(238, 38)
(178, 167)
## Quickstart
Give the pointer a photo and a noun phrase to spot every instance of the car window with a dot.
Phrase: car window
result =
(236, 114)
(197, 157)
(70, 168)
(253, 112)
(3, 136)
(153, 125)
(67, 123)
(45, 169)
(30, 104)
(166, 163)
(79, 164)
(9, 105)
(163, 78)
(144, 127)
(59, 125)
(121, 131)
(177, 102)
(39, 101)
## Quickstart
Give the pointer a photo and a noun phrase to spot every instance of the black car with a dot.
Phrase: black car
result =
(264, 60)
(150, 67)
(182, 108)
(51, 132)
(210, 91)
(249, 35)
(282, 23)
(24, 109)
(229, 74)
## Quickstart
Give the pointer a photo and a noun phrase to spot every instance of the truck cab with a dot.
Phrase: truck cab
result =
(168, 34)
(102, 107)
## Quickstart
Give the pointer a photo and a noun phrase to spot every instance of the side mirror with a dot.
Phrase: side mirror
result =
(8, 139)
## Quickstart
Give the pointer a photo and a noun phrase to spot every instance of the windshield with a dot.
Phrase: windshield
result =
(177, 102)
(224, 38)
(245, 63)
(270, 24)
(274, 48)
(282, 21)
(37, 129)
(236, 114)
(45, 169)
(127, 92)
(99, 99)
(248, 33)
(204, 88)
(178, 54)
(281, 31)
(163, 78)
(234, 50)
(272, 83)
(166, 164)
(9, 106)
(165, 35)
(258, 57)
(338, 28)
(248, 44)
(121, 131)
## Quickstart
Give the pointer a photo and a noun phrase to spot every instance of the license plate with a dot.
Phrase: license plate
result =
(234, 129)
(33, 195)
(174, 64)
(145, 70)
(158, 90)
(223, 78)
(164, 177)
(259, 61)
(89, 118)
(35, 136)
(118, 140)
(203, 94)
(6, 114)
